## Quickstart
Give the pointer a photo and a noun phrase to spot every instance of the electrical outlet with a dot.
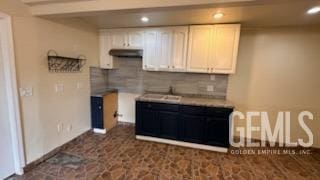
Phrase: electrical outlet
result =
(59, 127)
(69, 127)
(26, 92)
(58, 87)
(210, 88)
(79, 85)
(212, 77)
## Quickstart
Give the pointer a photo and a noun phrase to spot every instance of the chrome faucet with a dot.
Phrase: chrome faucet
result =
(171, 90)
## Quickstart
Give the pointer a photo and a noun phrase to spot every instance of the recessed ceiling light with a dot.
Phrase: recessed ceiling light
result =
(145, 19)
(314, 10)
(218, 15)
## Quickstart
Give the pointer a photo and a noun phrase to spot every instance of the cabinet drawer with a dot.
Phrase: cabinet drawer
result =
(219, 112)
(195, 110)
(159, 106)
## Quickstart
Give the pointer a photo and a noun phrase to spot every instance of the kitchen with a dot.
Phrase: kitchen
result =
(174, 50)
(146, 90)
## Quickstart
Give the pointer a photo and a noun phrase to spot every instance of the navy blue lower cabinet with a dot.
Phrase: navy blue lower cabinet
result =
(169, 125)
(195, 124)
(97, 112)
(149, 125)
(217, 132)
(193, 128)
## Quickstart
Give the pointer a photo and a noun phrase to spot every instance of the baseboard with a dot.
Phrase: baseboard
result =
(125, 123)
(184, 144)
(99, 131)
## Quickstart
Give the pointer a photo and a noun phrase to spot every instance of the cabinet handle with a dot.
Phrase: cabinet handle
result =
(168, 66)
(128, 44)
(172, 66)
(124, 44)
(100, 107)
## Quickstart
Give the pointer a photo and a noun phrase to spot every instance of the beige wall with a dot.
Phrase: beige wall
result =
(278, 69)
(41, 113)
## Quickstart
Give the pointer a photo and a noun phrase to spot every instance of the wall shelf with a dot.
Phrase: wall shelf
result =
(63, 64)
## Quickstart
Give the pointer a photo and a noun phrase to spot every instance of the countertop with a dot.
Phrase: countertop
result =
(103, 92)
(194, 101)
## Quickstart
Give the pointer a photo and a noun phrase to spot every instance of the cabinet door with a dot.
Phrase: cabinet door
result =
(179, 49)
(217, 132)
(169, 127)
(200, 38)
(150, 55)
(97, 112)
(225, 43)
(106, 61)
(135, 39)
(119, 39)
(164, 44)
(110, 110)
(193, 128)
(149, 123)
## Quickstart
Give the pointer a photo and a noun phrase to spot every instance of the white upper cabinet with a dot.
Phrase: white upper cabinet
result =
(126, 38)
(226, 41)
(179, 48)
(213, 48)
(165, 49)
(150, 50)
(199, 48)
(118, 39)
(106, 61)
(135, 39)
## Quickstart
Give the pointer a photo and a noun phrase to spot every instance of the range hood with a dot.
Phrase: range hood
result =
(133, 53)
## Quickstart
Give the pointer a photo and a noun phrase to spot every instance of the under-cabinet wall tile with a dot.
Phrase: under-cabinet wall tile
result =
(130, 77)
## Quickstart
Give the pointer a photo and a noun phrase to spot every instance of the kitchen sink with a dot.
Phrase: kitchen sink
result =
(170, 98)
(154, 96)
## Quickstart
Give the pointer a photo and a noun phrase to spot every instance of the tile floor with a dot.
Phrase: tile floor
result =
(118, 155)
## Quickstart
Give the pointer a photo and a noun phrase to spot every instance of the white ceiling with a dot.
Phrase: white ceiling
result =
(264, 13)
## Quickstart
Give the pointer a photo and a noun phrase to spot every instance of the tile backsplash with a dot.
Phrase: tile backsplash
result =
(98, 79)
(130, 77)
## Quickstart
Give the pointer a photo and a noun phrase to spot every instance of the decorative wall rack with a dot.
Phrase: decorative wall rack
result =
(58, 63)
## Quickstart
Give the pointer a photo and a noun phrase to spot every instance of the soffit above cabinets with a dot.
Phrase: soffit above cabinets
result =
(282, 13)
(59, 7)
(42, 2)
(127, 13)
